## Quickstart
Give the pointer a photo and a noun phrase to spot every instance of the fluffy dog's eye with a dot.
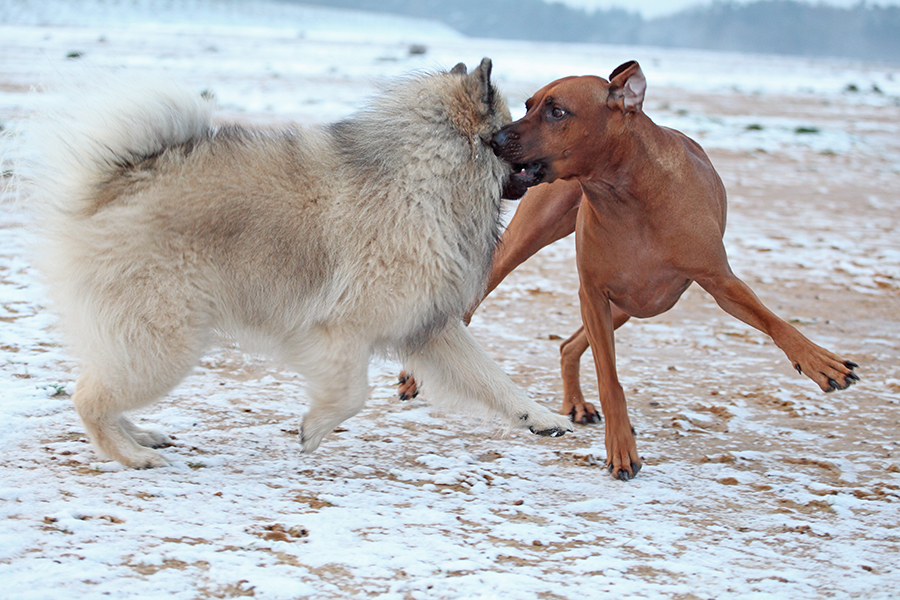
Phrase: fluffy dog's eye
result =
(557, 112)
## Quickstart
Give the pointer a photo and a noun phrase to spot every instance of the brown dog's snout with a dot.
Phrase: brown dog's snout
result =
(501, 140)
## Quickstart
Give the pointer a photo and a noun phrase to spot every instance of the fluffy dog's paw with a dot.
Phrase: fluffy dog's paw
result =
(151, 438)
(310, 438)
(146, 459)
(546, 423)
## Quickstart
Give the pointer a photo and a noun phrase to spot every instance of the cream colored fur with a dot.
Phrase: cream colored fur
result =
(318, 247)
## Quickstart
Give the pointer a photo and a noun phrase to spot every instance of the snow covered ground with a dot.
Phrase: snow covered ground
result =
(755, 484)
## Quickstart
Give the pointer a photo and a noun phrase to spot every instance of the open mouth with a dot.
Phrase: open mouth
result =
(523, 177)
(530, 174)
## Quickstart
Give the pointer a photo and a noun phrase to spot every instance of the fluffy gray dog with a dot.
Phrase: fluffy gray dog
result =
(317, 247)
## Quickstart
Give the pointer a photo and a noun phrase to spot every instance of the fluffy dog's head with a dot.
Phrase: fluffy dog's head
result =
(472, 107)
(479, 111)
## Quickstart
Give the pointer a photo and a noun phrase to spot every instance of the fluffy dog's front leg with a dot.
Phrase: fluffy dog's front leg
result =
(455, 369)
(334, 399)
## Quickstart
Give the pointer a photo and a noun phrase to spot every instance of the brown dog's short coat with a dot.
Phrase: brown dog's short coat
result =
(648, 210)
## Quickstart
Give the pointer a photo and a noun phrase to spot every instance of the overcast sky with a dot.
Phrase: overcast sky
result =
(655, 8)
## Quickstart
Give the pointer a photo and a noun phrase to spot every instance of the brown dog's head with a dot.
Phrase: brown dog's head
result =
(567, 124)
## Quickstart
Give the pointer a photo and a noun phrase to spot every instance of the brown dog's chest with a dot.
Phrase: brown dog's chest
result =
(639, 292)
(626, 262)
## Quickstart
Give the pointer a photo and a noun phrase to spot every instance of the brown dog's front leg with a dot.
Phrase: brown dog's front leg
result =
(545, 214)
(827, 369)
(622, 458)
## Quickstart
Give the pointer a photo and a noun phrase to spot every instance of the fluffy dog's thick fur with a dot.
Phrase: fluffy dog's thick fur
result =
(317, 247)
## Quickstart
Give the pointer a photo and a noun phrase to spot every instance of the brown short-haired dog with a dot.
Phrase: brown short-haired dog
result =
(648, 210)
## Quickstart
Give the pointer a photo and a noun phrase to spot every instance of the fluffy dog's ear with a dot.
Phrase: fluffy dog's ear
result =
(459, 69)
(626, 87)
(483, 76)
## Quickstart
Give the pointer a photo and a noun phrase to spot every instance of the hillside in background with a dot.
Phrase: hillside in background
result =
(768, 26)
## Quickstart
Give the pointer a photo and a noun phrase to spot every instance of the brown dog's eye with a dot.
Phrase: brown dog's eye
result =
(557, 112)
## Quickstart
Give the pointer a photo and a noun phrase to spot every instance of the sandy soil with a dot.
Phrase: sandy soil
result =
(755, 484)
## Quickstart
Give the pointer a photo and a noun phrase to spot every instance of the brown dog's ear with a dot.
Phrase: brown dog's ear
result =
(626, 87)
(483, 75)
(459, 69)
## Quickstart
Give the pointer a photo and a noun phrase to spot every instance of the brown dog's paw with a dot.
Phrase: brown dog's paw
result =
(829, 371)
(622, 459)
(407, 388)
(849, 377)
(585, 414)
(581, 412)
(624, 474)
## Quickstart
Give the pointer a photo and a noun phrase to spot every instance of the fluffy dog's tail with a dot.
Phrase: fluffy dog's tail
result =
(89, 130)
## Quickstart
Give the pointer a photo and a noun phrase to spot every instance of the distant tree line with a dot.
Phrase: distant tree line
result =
(768, 26)
(783, 27)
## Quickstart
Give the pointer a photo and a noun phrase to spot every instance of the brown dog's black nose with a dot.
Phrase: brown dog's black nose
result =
(501, 140)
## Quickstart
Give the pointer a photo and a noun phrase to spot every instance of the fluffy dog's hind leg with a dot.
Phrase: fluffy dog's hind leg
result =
(101, 413)
(132, 362)
(455, 368)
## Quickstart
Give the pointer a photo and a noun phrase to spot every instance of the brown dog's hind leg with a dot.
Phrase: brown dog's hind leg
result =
(406, 386)
(571, 352)
(827, 369)
(573, 403)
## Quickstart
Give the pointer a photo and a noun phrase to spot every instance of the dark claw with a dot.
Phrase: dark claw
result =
(850, 364)
(799, 370)
(552, 432)
(586, 419)
(403, 380)
(624, 475)
(834, 384)
(415, 394)
(853, 376)
(404, 396)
